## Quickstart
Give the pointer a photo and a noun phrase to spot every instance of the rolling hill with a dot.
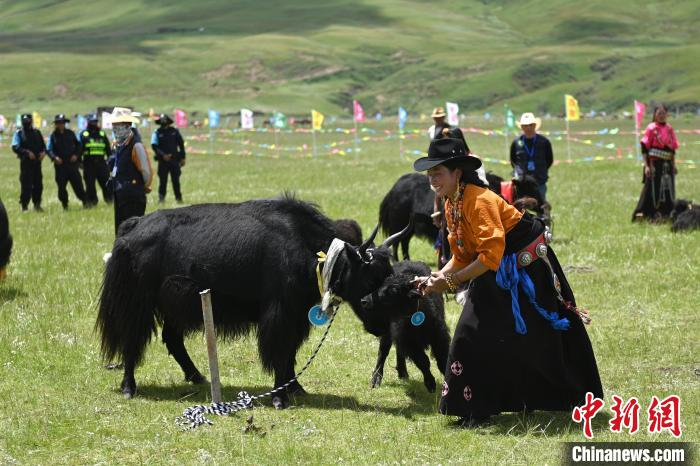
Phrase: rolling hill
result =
(293, 55)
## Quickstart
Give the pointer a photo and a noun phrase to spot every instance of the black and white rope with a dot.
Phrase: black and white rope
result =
(195, 416)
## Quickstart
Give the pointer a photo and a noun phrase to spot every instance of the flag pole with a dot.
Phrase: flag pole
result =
(357, 148)
(636, 133)
(568, 138)
(313, 138)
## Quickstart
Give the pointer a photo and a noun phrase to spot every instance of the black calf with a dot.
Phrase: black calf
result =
(685, 216)
(397, 300)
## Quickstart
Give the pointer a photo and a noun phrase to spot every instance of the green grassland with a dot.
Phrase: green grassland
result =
(71, 55)
(60, 405)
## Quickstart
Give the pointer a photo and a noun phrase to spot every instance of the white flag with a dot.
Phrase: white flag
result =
(452, 113)
(246, 119)
(106, 120)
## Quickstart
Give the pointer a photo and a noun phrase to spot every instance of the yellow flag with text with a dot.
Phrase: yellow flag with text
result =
(37, 119)
(572, 111)
(316, 119)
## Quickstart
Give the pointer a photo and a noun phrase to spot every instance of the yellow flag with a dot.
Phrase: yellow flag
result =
(37, 119)
(572, 112)
(316, 119)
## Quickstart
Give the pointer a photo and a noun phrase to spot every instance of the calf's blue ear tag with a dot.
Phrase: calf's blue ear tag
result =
(317, 317)
(417, 318)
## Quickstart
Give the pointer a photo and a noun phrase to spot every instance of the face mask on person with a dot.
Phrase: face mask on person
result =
(121, 133)
(26, 124)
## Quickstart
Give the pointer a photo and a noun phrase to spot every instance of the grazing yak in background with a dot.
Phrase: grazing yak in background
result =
(685, 216)
(5, 240)
(411, 197)
(259, 258)
(397, 300)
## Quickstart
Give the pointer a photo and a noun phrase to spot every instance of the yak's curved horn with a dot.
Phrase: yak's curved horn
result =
(366, 244)
(391, 240)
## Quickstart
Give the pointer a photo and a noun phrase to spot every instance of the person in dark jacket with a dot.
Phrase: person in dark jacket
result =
(96, 149)
(441, 129)
(169, 149)
(65, 150)
(131, 173)
(531, 153)
(28, 144)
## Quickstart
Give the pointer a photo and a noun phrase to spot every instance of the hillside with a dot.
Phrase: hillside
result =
(294, 55)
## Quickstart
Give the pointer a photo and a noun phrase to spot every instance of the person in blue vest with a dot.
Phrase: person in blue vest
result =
(65, 152)
(29, 145)
(531, 153)
(169, 148)
(96, 150)
(131, 173)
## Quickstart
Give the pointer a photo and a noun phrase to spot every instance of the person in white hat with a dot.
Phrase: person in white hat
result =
(531, 153)
(131, 172)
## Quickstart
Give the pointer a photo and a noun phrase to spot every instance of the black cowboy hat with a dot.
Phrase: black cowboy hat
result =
(60, 118)
(446, 151)
(163, 119)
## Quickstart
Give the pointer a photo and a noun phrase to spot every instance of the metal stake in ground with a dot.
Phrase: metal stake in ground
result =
(210, 334)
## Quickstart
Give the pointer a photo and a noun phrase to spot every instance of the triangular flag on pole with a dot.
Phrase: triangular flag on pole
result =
(452, 113)
(403, 116)
(358, 112)
(640, 110)
(246, 119)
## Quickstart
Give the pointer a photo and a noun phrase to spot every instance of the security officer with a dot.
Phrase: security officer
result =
(531, 152)
(96, 150)
(28, 144)
(169, 150)
(65, 150)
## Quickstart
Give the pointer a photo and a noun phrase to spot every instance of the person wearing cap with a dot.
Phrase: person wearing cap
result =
(520, 341)
(442, 129)
(169, 148)
(29, 145)
(96, 150)
(131, 173)
(65, 150)
(531, 153)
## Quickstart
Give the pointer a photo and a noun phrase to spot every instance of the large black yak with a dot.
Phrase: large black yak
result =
(685, 216)
(5, 240)
(399, 301)
(259, 258)
(411, 197)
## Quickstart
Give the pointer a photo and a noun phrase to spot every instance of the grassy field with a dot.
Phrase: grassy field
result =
(61, 406)
(291, 56)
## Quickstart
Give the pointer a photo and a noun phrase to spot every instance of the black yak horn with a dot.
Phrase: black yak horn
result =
(393, 239)
(366, 244)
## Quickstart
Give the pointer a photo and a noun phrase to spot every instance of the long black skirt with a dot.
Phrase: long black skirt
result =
(658, 193)
(492, 369)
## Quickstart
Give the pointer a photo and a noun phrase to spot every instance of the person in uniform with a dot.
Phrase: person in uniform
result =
(131, 173)
(520, 342)
(29, 145)
(659, 146)
(531, 153)
(96, 150)
(169, 149)
(64, 149)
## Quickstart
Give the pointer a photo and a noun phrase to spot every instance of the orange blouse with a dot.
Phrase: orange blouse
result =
(486, 218)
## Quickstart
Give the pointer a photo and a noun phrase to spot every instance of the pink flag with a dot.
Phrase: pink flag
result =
(180, 118)
(639, 109)
(358, 112)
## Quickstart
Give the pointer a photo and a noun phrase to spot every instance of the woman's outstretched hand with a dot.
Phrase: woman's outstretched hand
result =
(435, 283)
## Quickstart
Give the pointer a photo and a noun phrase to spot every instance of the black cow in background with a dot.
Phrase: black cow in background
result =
(259, 258)
(397, 300)
(5, 240)
(685, 216)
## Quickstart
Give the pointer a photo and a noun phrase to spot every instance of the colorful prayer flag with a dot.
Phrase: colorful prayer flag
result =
(572, 110)
(106, 120)
(358, 112)
(214, 118)
(82, 122)
(510, 118)
(37, 119)
(452, 113)
(280, 120)
(640, 109)
(180, 118)
(403, 116)
(316, 120)
(246, 119)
